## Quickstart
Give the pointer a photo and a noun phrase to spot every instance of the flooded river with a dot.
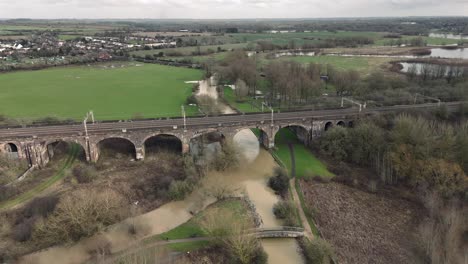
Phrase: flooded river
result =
(250, 178)
(208, 88)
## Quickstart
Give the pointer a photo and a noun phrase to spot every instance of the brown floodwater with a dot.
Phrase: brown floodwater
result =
(250, 179)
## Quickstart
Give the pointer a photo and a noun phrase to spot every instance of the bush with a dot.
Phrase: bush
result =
(260, 256)
(6, 192)
(22, 232)
(179, 189)
(81, 214)
(42, 206)
(84, 173)
(279, 182)
(317, 251)
(286, 211)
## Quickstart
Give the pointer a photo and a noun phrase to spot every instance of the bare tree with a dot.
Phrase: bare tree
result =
(232, 232)
(81, 214)
(241, 89)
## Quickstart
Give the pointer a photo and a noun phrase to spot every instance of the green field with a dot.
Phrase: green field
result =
(193, 229)
(301, 37)
(363, 65)
(128, 89)
(307, 165)
(245, 107)
(186, 51)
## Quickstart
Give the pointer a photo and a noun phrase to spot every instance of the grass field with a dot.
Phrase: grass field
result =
(245, 107)
(300, 37)
(148, 90)
(186, 51)
(363, 65)
(307, 165)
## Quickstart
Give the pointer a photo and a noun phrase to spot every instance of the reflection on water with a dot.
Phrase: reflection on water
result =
(248, 144)
(447, 36)
(449, 53)
(435, 53)
(294, 53)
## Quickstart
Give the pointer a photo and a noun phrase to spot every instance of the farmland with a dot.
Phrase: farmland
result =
(113, 91)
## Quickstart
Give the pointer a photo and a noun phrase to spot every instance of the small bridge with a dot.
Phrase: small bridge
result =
(282, 231)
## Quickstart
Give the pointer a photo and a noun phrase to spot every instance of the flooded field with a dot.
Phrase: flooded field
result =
(447, 36)
(449, 53)
(208, 88)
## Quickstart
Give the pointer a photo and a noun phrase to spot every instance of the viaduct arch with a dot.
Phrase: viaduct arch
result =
(139, 143)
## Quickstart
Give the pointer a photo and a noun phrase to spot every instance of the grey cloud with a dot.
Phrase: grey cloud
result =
(227, 8)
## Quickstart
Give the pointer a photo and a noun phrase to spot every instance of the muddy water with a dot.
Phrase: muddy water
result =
(208, 88)
(281, 251)
(251, 179)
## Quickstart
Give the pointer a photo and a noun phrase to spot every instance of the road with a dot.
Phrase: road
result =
(194, 122)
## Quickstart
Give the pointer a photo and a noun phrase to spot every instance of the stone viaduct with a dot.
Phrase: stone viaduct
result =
(37, 148)
(36, 143)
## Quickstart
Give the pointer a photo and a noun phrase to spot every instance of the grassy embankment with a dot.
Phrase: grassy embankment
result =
(307, 165)
(192, 228)
(119, 92)
(60, 174)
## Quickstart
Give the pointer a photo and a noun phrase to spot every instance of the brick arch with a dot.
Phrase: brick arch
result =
(305, 136)
(100, 141)
(206, 132)
(51, 141)
(328, 125)
(12, 149)
(10, 146)
(147, 139)
(263, 137)
(341, 123)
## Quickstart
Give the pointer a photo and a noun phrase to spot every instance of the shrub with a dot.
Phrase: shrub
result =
(179, 189)
(81, 214)
(279, 182)
(41, 206)
(6, 192)
(84, 173)
(22, 232)
(286, 211)
(317, 251)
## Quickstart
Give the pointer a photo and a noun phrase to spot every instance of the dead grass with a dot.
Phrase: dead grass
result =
(364, 227)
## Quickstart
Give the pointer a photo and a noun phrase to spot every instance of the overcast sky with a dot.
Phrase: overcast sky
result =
(228, 8)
